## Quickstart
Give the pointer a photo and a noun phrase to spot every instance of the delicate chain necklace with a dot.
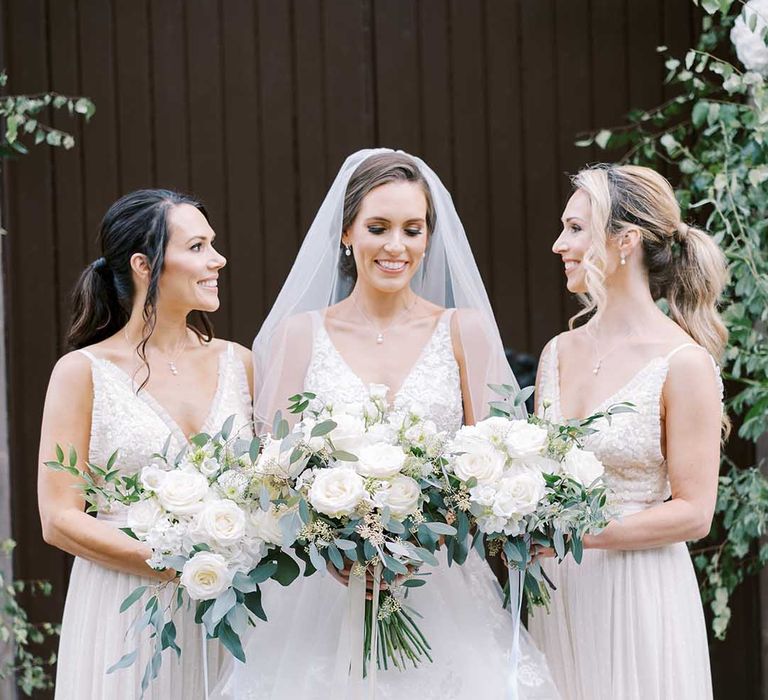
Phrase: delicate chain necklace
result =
(381, 331)
(596, 367)
(172, 362)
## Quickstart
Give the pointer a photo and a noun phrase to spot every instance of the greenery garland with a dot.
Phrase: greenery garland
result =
(712, 138)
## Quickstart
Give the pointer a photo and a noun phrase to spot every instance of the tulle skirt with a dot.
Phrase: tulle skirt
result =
(292, 657)
(626, 625)
(93, 638)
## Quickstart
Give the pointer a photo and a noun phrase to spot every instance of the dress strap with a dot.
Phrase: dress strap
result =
(670, 355)
(88, 354)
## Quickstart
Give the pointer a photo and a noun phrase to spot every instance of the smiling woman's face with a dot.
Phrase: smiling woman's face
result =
(574, 240)
(189, 280)
(389, 236)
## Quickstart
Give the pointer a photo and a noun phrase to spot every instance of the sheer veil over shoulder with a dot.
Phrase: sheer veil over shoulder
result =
(294, 655)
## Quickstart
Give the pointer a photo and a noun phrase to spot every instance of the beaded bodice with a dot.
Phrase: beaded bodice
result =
(432, 386)
(630, 446)
(138, 426)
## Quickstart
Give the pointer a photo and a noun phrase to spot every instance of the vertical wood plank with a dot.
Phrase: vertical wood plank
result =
(470, 143)
(506, 172)
(436, 80)
(350, 118)
(245, 232)
(540, 112)
(134, 93)
(208, 173)
(170, 94)
(68, 209)
(397, 56)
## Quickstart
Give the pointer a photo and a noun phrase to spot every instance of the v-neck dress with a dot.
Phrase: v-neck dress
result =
(93, 633)
(293, 656)
(625, 625)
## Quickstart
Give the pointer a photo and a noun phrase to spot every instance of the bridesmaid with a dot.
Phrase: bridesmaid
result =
(628, 622)
(143, 368)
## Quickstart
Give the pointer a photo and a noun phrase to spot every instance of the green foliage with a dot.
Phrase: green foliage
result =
(712, 139)
(19, 637)
(21, 114)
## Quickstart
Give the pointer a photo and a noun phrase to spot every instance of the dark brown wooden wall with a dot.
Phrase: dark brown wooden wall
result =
(253, 104)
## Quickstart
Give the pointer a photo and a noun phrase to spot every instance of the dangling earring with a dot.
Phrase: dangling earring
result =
(348, 250)
(623, 259)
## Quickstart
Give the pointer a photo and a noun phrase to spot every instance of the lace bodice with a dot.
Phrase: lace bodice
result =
(630, 446)
(432, 386)
(138, 426)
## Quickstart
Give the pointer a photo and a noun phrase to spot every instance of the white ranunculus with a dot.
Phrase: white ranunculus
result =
(266, 525)
(518, 494)
(209, 466)
(486, 466)
(750, 45)
(142, 516)
(220, 523)
(524, 439)
(381, 432)
(205, 576)
(151, 477)
(483, 494)
(181, 492)
(401, 495)
(337, 492)
(469, 438)
(349, 433)
(380, 460)
(491, 524)
(582, 465)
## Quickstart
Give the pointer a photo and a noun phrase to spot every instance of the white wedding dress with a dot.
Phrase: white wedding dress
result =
(625, 625)
(292, 657)
(93, 631)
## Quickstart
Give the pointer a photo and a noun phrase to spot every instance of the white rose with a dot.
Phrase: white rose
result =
(337, 492)
(401, 495)
(523, 439)
(205, 576)
(380, 460)
(545, 465)
(349, 433)
(314, 443)
(276, 460)
(582, 465)
(485, 466)
(750, 45)
(518, 494)
(381, 432)
(493, 427)
(142, 516)
(469, 438)
(182, 492)
(151, 477)
(266, 525)
(220, 523)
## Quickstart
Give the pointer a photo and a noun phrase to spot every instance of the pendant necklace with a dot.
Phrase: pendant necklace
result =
(381, 331)
(599, 363)
(172, 362)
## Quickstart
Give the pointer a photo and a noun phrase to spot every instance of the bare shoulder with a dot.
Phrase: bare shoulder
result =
(72, 378)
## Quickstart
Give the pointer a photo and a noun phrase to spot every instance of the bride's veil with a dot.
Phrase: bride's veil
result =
(448, 277)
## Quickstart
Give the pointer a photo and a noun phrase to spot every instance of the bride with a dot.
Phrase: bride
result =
(385, 290)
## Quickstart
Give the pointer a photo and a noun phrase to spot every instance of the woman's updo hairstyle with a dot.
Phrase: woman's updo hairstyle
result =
(685, 266)
(373, 172)
(103, 297)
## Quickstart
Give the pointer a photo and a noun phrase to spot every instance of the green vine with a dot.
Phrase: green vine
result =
(20, 116)
(712, 139)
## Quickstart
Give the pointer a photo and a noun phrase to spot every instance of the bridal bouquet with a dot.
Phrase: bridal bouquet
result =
(525, 482)
(365, 497)
(199, 516)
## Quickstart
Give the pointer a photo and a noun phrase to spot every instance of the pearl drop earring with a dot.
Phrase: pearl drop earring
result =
(623, 259)
(348, 251)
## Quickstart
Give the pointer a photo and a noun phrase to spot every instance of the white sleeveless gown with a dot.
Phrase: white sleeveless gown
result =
(93, 632)
(625, 625)
(292, 657)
